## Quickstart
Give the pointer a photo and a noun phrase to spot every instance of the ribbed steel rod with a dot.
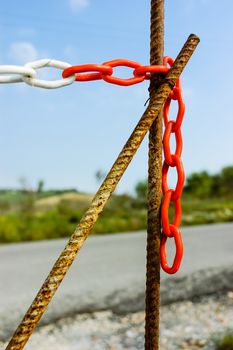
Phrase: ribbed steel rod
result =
(154, 186)
(76, 241)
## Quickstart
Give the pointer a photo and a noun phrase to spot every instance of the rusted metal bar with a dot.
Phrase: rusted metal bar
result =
(154, 186)
(76, 241)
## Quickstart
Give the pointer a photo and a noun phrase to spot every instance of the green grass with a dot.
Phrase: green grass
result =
(30, 216)
(225, 342)
(207, 211)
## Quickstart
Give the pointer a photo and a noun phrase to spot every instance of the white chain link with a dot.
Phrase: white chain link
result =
(44, 83)
(17, 71)
(28, 74)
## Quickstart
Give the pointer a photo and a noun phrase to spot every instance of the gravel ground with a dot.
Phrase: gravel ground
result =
(184, 325)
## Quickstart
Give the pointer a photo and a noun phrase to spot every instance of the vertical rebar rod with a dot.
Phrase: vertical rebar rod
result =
(154, 186)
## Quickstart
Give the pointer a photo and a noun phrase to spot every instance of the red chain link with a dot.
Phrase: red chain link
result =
(179, 251)
(100, 68)
(124, 82)
(172, 160)
(140, 73)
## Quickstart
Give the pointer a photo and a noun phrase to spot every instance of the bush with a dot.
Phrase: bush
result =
(10, 227)
(225, 342)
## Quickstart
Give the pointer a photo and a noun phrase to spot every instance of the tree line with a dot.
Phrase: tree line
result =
(200, 185)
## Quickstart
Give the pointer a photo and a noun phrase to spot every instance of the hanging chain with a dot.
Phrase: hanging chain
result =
(90, 72)
(172, 160)
(85, 72)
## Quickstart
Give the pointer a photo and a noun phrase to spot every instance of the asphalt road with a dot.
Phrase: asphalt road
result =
(109, 269)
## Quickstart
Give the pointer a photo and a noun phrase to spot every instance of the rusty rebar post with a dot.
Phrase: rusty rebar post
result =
(78, 238)
(154, 186)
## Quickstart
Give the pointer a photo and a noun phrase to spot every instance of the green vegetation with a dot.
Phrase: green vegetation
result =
(225, 342)
(31, 215)
(206, 198)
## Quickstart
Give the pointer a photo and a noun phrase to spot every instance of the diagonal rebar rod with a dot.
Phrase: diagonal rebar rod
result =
(154, 186)
(76, 241)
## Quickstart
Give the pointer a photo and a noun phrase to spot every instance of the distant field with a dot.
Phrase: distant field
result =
(207, 211)
(47, 203)
(27, 216)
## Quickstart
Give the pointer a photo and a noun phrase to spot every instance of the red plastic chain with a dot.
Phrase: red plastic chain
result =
(89, 72)
(100, 68)
(105, 71)
(172, 160)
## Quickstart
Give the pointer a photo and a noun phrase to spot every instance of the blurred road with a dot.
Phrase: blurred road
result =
(108, 269)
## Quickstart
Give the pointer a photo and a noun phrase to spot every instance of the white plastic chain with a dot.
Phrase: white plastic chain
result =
(28, 74)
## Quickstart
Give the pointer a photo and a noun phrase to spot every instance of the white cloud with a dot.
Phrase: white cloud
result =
(23, 52)
(77, 5)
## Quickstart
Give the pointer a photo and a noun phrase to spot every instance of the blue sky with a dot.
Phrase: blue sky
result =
(64, 136)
